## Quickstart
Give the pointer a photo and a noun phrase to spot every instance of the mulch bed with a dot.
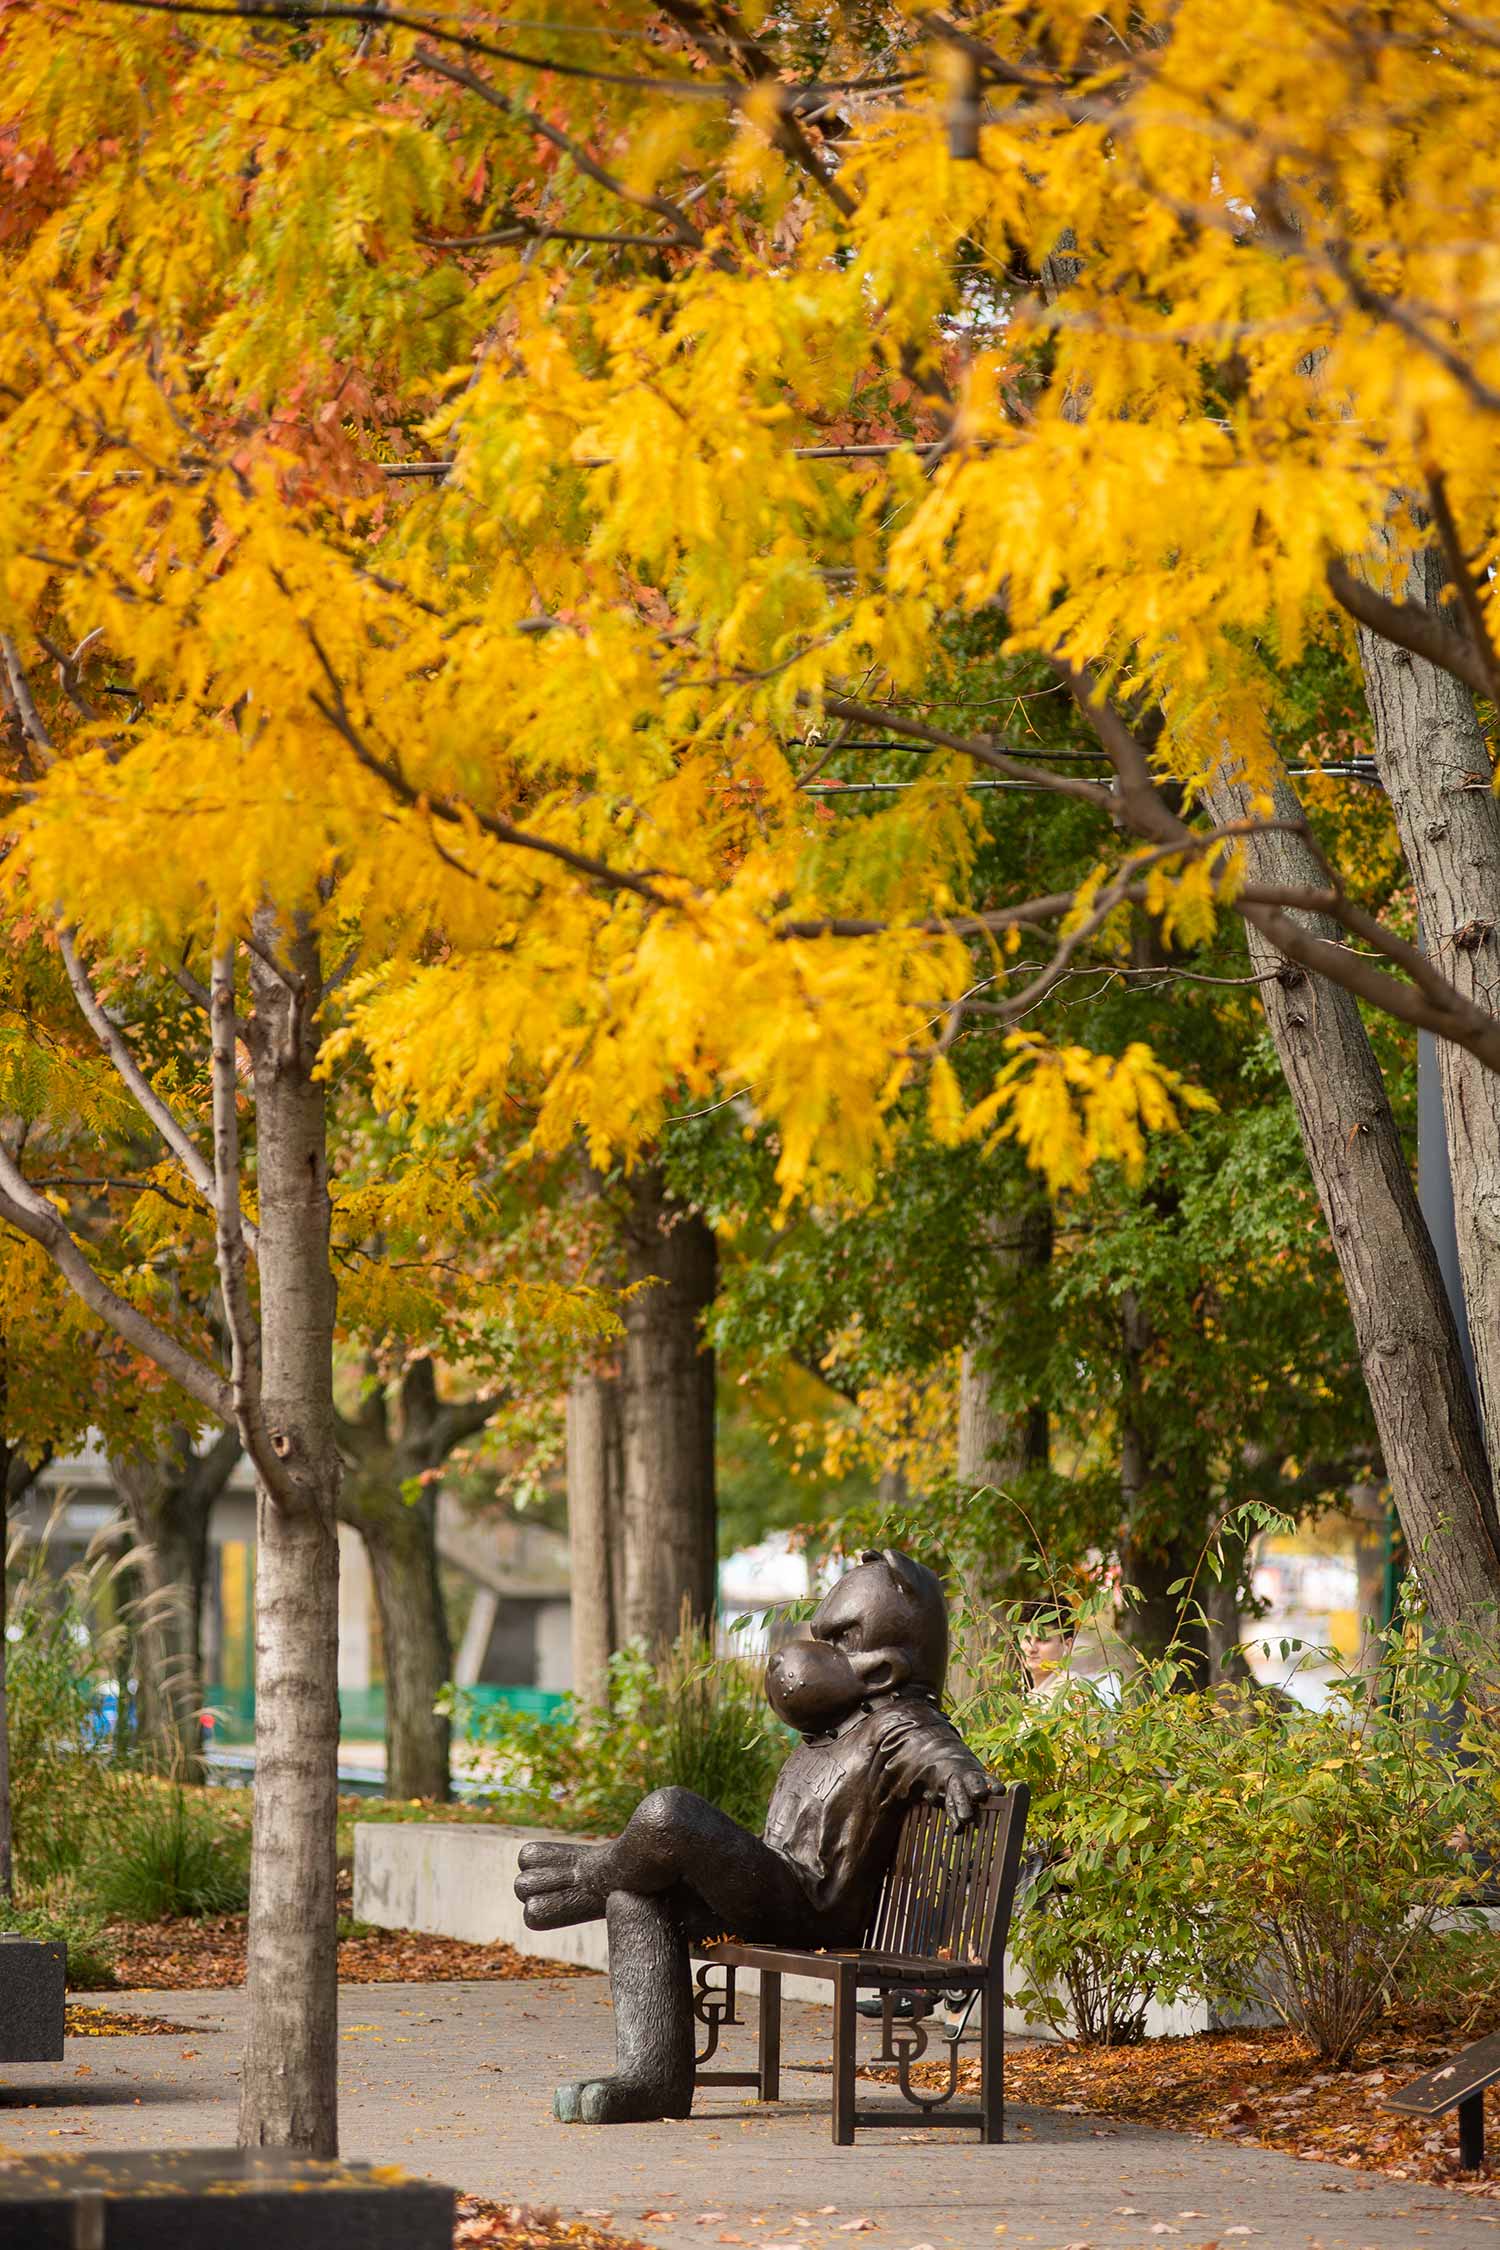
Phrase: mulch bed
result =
(1265, 2087)
(208, 1954)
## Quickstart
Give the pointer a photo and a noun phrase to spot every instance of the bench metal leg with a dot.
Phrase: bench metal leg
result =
(1471, 2132)
(992, 2062)
(845, 2023)
(770, 2035)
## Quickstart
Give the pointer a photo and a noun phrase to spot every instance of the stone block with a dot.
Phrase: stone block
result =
(33, 1999)
(229, 2198)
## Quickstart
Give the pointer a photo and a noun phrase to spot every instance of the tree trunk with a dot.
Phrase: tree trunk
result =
(1408, 1346)
(400, 1539)
(400, 1536)
(996, 1443)
(669, 1504)
(289, 2075)
(170, 1500)
(594, 1509)
(1435, 767)
(1156, 1556)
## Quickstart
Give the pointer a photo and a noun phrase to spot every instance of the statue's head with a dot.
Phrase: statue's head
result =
(882, 1628)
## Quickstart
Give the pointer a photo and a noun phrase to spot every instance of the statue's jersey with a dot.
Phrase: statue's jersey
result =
(839, 1799)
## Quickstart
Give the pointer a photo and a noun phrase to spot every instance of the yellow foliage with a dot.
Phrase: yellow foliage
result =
(538, 729)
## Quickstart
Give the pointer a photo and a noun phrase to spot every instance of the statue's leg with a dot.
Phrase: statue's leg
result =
(652, 1995)
(673, 1837)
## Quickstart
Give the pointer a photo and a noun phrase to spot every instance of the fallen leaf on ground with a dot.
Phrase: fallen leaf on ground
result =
(1263, 2087)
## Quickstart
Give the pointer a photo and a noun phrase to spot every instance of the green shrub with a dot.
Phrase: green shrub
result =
(168, 1851)
(1235, 1848)
(694, 1718)
(60, 1913)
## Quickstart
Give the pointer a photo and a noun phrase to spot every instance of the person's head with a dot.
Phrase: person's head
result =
(882, 1628)
(1047, 1634)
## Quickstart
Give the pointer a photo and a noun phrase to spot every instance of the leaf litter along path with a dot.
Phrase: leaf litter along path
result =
(1261, 2087)
(208, 1955)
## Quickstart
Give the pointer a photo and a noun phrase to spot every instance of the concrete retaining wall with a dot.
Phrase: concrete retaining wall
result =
(455, 1879)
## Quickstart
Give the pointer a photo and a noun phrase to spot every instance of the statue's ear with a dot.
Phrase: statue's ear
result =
(903, 1569)
(872, 1554)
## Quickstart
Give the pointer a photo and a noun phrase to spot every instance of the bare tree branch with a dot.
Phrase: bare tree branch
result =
(336, 712)
(110, 1037)
(1465, 585)
(20, 691)
(1410, 627)
(30, 1214)
(978, 747)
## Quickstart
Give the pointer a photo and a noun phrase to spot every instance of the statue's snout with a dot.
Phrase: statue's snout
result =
(811, 1685)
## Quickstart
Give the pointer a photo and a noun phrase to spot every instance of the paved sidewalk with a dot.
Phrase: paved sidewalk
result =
(455, 2081)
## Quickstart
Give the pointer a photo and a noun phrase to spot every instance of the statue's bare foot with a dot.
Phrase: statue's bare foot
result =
(619, 2101)
(556, 1885)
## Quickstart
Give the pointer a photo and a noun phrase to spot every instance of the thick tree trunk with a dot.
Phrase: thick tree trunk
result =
(1156, 1554)
(289, 2075)
(669, 1509)
(170, 1499)
(595, 1504)
(400, 1539)
(1435, 767)
(996, 1442)
(1408, 1346)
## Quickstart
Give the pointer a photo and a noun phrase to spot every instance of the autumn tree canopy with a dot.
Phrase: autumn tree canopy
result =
(483, 512)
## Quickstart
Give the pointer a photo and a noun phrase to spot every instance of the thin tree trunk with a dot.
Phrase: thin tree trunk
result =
(669, 1502)
(594, 1508)
(1435, 767)
(288, 2085)
(400, 1539)
(170, 1499)
(1408, 1346)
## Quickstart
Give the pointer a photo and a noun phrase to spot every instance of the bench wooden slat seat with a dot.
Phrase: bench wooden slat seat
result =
(941, 1920)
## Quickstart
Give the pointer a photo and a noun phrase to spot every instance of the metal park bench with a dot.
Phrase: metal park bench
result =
(1461, 2085)
(940, 1922)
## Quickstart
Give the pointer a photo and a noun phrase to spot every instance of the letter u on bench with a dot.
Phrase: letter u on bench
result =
(941, 1920)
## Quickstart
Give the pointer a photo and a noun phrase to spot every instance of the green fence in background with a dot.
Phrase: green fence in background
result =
(362, 1710)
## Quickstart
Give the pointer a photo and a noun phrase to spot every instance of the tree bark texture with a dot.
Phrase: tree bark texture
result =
(669, 1510)
(1408, 1346)
(169, 1499)
(384, 1462)
(996, 1442)
(595, 1548)
(288, 2083)
(1154, 1559)
(401, 1540)
(1435, 768)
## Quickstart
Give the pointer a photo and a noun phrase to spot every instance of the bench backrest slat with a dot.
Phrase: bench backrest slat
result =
(948, 1892)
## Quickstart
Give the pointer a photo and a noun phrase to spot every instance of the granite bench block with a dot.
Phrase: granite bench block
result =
(33, 1999)
(217, 2199)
